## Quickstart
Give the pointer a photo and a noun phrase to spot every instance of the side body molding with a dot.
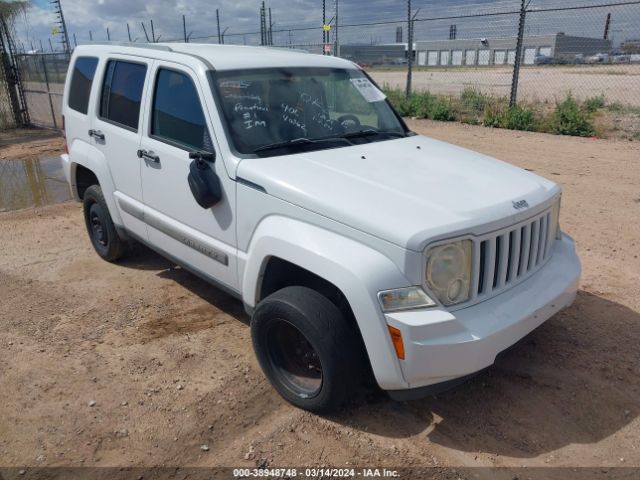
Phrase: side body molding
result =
(356, 269)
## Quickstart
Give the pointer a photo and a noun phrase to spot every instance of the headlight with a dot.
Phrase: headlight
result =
(555, 219)
(408, 298)
(448, 271)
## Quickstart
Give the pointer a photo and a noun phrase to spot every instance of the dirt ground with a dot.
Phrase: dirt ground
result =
(141, 363)
(20, 144)
(552, 83)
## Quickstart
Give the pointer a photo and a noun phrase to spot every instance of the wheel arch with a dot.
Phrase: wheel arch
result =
(283, 247)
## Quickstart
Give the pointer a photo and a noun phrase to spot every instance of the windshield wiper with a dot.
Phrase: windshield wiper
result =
(298, 141)
(370, 132)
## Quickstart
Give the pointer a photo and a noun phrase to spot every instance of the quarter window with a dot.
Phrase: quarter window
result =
(81, 81)
(177, 115)
(122, 93)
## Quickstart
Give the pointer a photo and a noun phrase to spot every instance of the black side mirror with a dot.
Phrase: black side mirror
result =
(203, 156)
(203, 181)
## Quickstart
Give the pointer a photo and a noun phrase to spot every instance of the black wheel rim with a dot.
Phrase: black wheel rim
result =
(98, 230)
(294, 360)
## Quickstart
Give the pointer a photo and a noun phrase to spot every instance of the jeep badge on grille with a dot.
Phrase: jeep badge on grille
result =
(520, 204)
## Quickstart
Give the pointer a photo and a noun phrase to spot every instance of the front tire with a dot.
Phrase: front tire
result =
(306, 348)
(102, 232)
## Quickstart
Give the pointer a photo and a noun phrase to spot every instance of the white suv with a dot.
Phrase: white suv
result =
(287, 179)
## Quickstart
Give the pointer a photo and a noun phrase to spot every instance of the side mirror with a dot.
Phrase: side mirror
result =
(203, 156)
(204, 183)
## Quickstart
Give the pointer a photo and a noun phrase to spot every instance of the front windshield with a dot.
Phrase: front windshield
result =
(277, 110)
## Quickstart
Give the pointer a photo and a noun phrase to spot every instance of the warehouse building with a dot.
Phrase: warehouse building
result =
(502, 51)
(383, 54)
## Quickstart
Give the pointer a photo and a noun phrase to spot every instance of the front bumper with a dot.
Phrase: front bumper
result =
(442, 346)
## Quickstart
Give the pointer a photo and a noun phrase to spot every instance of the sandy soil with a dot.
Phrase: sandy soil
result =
(167, 359)
(536, 83)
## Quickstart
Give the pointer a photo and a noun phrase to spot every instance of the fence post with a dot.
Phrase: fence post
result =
(409, 52)
(518, 59)
(46, 79)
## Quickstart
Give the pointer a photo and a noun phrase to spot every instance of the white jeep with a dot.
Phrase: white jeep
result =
(288, 180)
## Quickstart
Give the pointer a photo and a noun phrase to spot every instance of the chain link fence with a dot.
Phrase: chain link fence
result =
(536, 52)
(43, 77)
(6, 113)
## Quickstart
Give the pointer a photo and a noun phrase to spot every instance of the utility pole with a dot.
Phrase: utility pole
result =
(218, 21)
(57, 9)
(516, 67)
(263, 25)
(324, 22)
(50, 45)
(75, 40)
(108, 35)
(90, 35)
(128, 32)
(270, 28)
(336, 42)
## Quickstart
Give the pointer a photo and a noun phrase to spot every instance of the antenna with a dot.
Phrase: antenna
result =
(61, 24)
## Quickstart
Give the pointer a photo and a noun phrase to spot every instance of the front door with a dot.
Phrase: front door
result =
(176, 124)
(116, 133)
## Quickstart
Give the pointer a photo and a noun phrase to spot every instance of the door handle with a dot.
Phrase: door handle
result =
(97, 134)
(148, 155)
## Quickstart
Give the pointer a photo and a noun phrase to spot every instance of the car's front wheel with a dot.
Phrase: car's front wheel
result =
(306, 348)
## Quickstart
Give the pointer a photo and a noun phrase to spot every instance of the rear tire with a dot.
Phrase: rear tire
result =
(102, 232)
(306, 349)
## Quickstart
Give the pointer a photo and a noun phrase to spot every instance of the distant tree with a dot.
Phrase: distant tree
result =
(9, 9)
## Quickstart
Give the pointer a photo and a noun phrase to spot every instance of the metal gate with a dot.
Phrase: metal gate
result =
(13, 111)
(43, 77)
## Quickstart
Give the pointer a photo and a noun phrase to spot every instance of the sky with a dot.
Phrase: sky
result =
(241, 19)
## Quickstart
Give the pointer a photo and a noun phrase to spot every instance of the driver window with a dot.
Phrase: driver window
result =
(177, 115)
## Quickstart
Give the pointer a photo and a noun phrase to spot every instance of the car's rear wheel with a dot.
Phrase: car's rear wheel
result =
(306, 348)
(102, 232)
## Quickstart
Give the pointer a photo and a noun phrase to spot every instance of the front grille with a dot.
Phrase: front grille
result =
(506, 257)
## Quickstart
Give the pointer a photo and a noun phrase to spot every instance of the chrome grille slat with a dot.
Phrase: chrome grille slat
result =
(490, 263)
(515, 254)
(475, 284)
(504, 258)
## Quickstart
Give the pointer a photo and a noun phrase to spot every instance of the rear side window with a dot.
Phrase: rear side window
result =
(122, 93)
(81, 81)
(177, 115)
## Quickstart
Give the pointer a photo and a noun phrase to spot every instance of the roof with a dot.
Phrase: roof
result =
(233, 57)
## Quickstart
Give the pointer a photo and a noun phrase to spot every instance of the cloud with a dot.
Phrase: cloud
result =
(242, 20)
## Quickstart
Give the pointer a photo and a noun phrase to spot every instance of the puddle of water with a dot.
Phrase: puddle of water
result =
(32, 183)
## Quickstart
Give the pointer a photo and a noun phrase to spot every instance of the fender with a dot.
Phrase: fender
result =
(357, 270)
(82, 153)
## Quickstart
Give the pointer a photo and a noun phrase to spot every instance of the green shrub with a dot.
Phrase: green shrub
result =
(570, 119)
(518, 118)
(441, 110)
(475, 100)
(593, 104)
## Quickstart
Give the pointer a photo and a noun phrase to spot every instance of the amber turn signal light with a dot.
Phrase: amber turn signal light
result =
(396, 338)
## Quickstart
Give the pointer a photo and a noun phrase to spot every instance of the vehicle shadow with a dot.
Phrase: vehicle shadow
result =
(572, 381)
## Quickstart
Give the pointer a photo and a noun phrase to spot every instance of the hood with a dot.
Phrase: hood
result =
(407, 191)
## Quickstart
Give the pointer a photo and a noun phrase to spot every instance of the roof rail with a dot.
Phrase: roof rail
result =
(150, 46)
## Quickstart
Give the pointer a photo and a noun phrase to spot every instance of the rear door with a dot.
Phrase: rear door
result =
(177, 122)
(116, 133)
(76, 109)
